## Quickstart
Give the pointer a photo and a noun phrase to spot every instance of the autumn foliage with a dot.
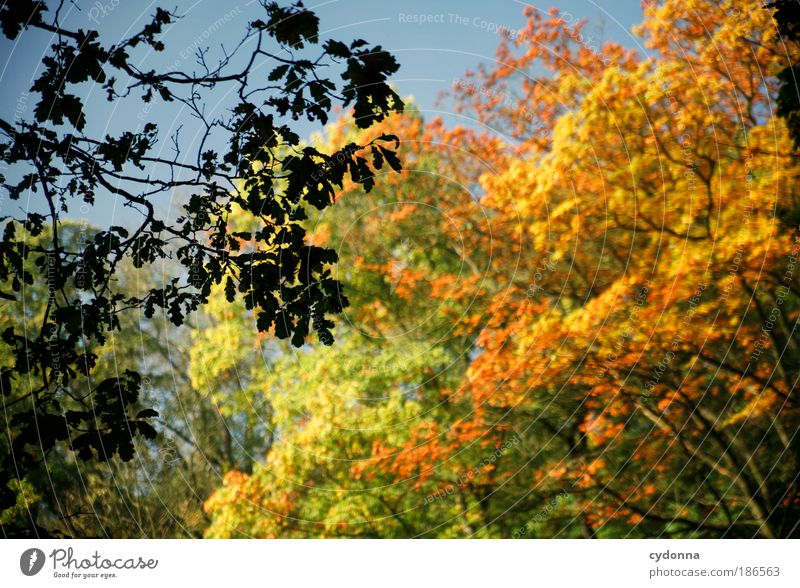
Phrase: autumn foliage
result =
(579, 322)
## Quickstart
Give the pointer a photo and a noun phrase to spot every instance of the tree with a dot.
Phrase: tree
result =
(627, 309)
(160, 492)
(659, 351)
(264, 170)
(347, 418)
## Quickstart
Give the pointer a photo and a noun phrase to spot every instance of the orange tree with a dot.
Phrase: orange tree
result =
(617, 356)
(662, 359)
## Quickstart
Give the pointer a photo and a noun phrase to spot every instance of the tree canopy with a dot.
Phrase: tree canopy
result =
(574, 317)
(600, 343)
(248, 160)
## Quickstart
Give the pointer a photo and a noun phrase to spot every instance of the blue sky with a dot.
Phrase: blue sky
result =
(435, 43)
